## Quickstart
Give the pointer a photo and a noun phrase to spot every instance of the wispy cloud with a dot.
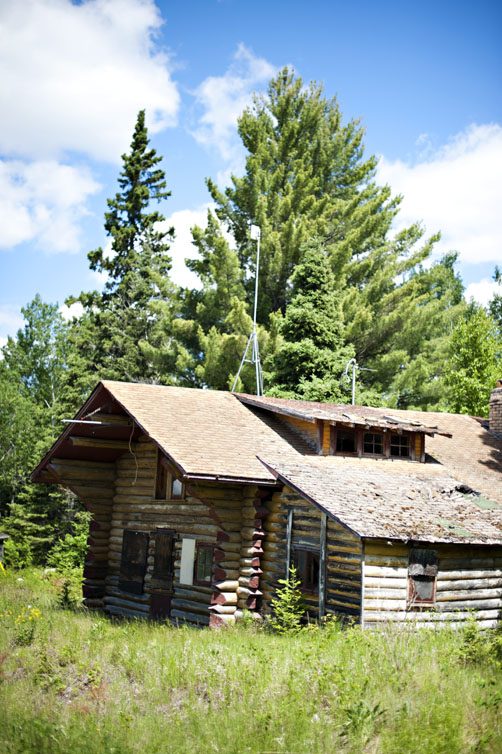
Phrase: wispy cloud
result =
(43, 202)
(455, 189)
(223, 99)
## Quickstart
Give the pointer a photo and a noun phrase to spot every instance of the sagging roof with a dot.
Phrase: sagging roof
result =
(348, 415)
(394, 502)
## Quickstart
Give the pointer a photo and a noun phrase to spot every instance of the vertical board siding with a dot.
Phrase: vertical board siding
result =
(343, 554)
(469, 582)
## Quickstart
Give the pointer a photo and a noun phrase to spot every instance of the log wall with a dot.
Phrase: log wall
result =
(343, 554)
(93, 483)
(469, 579)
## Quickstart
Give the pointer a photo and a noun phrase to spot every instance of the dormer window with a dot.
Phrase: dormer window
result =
(346, 441)
(373, 443)
(400, 446)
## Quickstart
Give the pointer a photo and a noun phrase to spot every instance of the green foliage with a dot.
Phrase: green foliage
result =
(90, 684)
(311, 357)
(105, 341)
(288, 607)
(495, 305)
(475, 362)
(69, 552)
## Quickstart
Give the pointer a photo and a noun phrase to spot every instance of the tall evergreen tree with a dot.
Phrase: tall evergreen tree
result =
(33, 368)
(306, 176)
(118, 320)
(311, 358)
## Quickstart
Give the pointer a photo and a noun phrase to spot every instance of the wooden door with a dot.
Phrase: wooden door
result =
(162, 574)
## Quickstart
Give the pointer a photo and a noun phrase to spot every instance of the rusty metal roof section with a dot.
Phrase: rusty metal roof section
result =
(335, 413)
(422, 504)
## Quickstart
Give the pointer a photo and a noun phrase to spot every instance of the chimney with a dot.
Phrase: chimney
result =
(496, 408)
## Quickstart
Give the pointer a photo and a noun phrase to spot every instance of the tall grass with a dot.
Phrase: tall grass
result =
(74, 681)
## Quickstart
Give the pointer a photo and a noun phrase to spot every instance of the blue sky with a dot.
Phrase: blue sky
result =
(424, 78)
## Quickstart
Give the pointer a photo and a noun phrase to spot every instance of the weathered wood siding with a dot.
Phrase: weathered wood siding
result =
(343, 554)
(469, 579)
(93, 483)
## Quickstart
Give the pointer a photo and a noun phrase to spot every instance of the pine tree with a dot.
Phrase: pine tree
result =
(117, 321)
(310, 360)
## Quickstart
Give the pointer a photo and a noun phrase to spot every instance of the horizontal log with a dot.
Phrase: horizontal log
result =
(223, 609)
(465, 594)
(220, 621)
(227, 586)
(125, 612)
(387, 550)
(384, 571)
(469, 574)
(190, 592)
(390, 594)
(399, 561)
(180, 616)
(244, 592)
(129, 604)
(430, 616)
(224, 598)
(189, 606)
(469, 584)
(387, 583)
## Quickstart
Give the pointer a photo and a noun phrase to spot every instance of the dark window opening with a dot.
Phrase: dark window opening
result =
(306, 563)
(163, 559)
(160, 479)
(373, 443)
(422, 575)
(133, 561)
(400, 446)
(203, 568)
(345, 441)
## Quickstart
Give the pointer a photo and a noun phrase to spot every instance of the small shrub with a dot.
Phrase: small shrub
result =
(288, 606)
(69, 553)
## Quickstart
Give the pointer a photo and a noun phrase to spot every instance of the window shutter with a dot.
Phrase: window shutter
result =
(133, 562)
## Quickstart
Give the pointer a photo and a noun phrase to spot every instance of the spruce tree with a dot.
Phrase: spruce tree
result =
(117, 321)
(310, 360)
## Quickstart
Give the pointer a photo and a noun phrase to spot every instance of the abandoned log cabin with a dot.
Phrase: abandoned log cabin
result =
(202, 500)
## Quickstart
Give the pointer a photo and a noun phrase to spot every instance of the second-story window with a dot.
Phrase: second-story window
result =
(400, 446)
(345, 441)
(373, 443)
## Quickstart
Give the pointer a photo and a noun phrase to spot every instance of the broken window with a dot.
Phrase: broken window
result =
(400, 446)
(422, 574)
(133, 561)
(345, 441)
(306, 563)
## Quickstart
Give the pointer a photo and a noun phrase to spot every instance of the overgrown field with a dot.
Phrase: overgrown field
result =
(72, 681)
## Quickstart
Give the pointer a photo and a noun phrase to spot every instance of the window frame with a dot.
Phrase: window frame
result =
(425, 571)
(403, 436)
(312, 587)
(165, 479)
(374, 434)
(203, 547)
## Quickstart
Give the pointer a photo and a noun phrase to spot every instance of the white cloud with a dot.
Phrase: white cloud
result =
(225, 97)
(456, 190)
(43, 201)
(73, 76)
(483, 291)
(182, 247)
(74, 310)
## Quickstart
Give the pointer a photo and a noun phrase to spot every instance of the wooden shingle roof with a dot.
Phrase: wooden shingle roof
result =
(393, 501)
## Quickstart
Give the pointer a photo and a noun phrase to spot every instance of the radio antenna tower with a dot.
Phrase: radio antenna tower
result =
(253, 338)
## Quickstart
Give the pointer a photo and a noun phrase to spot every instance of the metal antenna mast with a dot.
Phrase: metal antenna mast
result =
(355, 366)
(253, 338)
